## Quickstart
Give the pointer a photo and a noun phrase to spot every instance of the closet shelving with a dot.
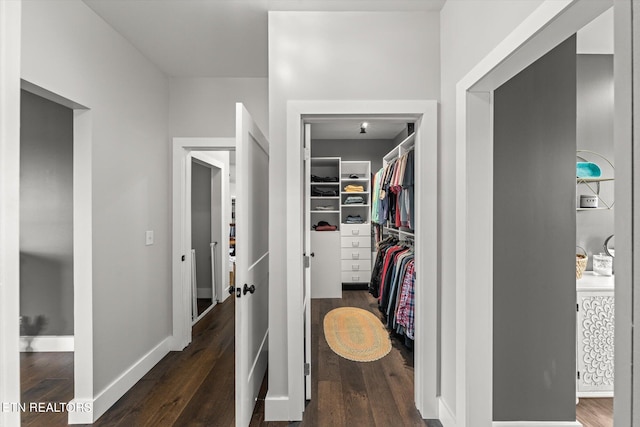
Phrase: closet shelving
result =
(355, 237)
(325, 207)
(398, 151)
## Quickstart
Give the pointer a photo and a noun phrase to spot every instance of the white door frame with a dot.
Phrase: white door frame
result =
(546, 27)
(212, 163)
(10, 19)
(181, 246)
(82, 257)
(426, 350)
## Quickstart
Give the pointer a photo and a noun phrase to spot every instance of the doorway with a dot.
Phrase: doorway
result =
(209, 222)
(46, 255)
(251, 295)
(424, 114)
(552, 24)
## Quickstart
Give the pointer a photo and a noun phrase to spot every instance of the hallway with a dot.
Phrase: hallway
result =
(195, 387)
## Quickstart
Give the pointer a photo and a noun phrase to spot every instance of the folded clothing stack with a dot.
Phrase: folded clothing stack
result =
(323, 192)
(315, 178)
(324, 226)
(354, 188)
(325, 208)
(354, 200)
(354, 219)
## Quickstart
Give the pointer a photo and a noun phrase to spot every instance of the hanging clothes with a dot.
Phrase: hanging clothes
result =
(393, 196)
(392, 283)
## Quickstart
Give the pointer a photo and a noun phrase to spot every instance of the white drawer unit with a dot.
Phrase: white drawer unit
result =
(355, 230)
(356, 276)
(355, 242)
(355, 253)
(356, 265)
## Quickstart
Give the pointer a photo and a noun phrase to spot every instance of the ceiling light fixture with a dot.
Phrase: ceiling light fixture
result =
(363, 127)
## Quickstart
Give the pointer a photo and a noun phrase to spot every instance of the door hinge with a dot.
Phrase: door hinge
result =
(307, 153)
(306, 261)
(184, 258)
(578, 374)
(577, 307)
(307, 369)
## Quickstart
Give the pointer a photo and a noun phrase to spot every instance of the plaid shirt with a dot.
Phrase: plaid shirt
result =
(406, 312)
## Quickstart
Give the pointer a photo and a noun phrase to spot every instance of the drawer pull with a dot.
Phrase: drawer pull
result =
(356, 232)
(355, 244)
(355, 255)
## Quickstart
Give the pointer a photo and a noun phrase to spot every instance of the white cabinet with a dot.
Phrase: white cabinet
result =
(325, 265)
(595, 335)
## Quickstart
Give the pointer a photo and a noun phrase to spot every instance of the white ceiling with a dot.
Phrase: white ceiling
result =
(350, 129)
(217, 38)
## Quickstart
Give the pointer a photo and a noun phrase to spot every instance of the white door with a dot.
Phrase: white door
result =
(252, 262)
(307, 262)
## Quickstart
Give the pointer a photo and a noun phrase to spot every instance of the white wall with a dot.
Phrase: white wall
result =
(469, 31)
(205, 107)
(69, 50)
(340, 56)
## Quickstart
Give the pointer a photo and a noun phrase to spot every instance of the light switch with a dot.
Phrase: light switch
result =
(149, 237)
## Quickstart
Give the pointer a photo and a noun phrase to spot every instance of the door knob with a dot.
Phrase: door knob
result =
(312, 254)
(231, 289)
(251, 289)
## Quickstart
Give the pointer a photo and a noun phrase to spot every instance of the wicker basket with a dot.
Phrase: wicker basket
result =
(581, 262)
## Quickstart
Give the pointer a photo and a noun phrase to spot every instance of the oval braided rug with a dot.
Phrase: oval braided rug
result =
(356, 334)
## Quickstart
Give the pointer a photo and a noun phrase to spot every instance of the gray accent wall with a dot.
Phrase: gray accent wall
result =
(595, 116)
(353, 149)
(201, 221)
(46, 214)
(534, 329)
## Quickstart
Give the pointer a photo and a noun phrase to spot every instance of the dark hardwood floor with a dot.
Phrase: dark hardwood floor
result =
(196, 387)
(45, 377)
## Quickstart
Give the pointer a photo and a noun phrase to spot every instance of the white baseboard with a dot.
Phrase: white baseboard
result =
(114, 391)
(590, 394)
(536, 424)
(445, 415)
(276, 408)
(205, 293)
(82, 412)
(41, 343)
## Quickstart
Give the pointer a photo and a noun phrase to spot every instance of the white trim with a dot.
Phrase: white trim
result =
(594, 394)
(42, 343)
(447, 417)
(10, 36)
(276, 408)
(536, 424)
(426, 352)
(546, 27)
(114, 391)
(181, 205)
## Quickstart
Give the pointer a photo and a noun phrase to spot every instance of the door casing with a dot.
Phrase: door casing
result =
(545, 28)
(181, 271)
(424, 113)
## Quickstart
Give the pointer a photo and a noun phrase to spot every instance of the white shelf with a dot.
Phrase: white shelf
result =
(325, 183)
(325, 197)
(355, 192)
(406, 145)
(329, 212)
(355, 179)
(594, 209)
(353, 205)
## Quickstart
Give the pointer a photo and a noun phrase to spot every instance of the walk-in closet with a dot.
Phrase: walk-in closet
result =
(360, 210)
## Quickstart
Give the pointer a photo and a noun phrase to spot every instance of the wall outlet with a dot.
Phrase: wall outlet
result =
(149, 237)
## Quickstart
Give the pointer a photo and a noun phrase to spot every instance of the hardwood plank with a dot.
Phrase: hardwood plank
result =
(595, 412)
(331, 409)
